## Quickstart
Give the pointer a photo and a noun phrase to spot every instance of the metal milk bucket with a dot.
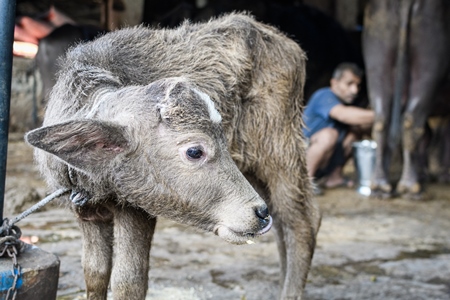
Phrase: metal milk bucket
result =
(364, 158)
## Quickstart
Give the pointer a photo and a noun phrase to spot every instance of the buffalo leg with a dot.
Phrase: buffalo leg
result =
(413, 132)
(409, 181)
(426, 76)
(380, 95)
(97, 237)
(379, 55)
(133, 232)
(380, 184)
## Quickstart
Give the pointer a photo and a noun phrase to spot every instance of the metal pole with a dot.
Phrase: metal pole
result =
(7, 16)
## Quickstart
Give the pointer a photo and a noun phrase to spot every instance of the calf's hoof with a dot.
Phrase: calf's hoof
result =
(79, 198)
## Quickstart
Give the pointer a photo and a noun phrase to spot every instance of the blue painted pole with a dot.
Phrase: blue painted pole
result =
(7, 16)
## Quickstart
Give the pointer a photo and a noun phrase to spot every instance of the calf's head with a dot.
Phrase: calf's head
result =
(161, 148)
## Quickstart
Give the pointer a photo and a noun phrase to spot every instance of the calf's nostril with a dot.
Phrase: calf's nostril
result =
(262, 212)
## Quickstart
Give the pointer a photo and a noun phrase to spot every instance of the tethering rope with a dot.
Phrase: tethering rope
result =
(7, 224)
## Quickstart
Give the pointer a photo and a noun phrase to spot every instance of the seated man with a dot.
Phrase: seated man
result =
(332, 124)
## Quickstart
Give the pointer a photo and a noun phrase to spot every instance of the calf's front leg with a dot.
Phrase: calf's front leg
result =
(133, 232)
(97, 237)
(297, 221)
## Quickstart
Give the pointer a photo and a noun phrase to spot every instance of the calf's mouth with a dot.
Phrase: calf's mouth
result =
(242, 237)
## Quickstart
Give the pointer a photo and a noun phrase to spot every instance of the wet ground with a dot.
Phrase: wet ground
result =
(367, 249)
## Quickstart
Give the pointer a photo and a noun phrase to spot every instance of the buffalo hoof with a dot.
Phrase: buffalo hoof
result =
(381, 190)
(411, 191)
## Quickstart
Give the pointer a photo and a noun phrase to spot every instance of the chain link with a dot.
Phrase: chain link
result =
(10, 243)
(8, 248)
(10, 239)
(16, 270)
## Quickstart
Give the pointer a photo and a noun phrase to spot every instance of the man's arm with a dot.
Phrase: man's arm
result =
(352, 115)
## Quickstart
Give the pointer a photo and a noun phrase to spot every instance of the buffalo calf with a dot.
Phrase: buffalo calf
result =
(200, 124)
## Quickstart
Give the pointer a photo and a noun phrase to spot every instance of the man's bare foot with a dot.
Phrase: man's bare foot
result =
(339, 182)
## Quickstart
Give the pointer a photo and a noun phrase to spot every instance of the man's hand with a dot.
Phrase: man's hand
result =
(352, 115)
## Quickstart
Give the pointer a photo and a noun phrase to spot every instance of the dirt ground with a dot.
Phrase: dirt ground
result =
(367, 249)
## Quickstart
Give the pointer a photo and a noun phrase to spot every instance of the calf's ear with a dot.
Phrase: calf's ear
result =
(87, 145)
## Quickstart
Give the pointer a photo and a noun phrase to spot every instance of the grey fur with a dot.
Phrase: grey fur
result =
(123, 113)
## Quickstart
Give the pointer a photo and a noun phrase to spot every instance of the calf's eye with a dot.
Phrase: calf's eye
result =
(194, 153)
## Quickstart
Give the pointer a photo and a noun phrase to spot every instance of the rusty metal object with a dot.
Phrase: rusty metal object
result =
(38, 274)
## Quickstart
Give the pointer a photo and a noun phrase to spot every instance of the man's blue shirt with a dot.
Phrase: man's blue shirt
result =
(317, 112)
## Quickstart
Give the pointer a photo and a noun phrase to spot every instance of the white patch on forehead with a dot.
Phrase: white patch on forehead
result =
(214, 115)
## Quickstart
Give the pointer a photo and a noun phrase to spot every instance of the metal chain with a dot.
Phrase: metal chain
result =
(12, 252)
(8, 247)
(10, 240)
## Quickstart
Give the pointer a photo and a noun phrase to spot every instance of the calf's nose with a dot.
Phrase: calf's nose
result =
(262, 212)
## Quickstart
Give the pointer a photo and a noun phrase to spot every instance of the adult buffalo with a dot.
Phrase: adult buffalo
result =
(406, 46)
